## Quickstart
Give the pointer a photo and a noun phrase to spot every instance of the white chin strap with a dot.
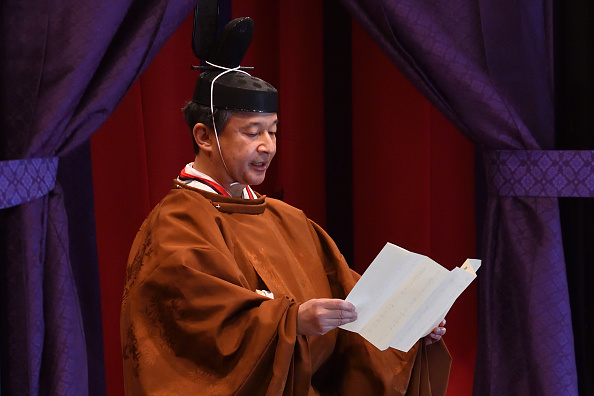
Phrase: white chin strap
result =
(214, 125)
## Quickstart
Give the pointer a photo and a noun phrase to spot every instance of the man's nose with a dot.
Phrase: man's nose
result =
(267, 144)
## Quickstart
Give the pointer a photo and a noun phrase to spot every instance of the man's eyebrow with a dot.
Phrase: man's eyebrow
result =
(256, 124)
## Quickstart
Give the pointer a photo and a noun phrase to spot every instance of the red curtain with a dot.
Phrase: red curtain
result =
(413, 186)
(413, 172)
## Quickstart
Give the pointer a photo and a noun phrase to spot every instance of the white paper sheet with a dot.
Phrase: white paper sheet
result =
(403, 295)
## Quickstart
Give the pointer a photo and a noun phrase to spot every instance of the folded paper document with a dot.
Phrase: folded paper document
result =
(403, 296)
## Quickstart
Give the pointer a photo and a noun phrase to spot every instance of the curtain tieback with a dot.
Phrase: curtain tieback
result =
(540, 173)
(26, 179)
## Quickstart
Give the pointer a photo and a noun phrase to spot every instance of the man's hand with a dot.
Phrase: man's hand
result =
(320, 315)
(436, 334)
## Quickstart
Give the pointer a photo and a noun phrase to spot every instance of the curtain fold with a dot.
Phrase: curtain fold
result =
(65, 66)
(488, 68)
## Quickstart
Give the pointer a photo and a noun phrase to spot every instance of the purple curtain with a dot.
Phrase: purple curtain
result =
(64, 67)
(488, 67)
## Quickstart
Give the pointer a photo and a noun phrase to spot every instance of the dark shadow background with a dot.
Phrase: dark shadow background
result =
(574, 84)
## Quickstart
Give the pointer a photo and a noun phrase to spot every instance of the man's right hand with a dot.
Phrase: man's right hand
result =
(320, 315)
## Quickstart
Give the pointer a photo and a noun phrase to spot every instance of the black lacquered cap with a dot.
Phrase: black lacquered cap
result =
(236, 91)
(233, 90)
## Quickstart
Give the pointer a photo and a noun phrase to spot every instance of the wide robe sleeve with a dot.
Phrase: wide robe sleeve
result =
(191, 323)
(356, 367)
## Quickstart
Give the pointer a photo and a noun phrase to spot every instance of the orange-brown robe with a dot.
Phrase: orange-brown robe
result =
(192, 323)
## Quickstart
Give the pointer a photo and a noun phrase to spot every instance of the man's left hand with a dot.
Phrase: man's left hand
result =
(436, 334)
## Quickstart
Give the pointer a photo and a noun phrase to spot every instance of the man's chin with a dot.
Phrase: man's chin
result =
(257, 180)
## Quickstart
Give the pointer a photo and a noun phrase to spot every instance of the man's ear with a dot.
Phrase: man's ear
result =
(202, 136)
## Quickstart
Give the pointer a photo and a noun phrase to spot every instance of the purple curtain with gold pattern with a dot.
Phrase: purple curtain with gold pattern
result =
(488, 67)
(64, 66)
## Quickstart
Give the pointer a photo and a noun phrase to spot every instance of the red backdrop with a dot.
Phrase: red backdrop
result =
(413, 172)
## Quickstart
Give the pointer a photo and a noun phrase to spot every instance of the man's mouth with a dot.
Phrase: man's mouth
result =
(260, 165)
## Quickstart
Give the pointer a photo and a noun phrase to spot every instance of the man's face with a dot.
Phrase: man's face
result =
(248, 144)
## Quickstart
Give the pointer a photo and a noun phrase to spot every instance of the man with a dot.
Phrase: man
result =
(232, 293)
